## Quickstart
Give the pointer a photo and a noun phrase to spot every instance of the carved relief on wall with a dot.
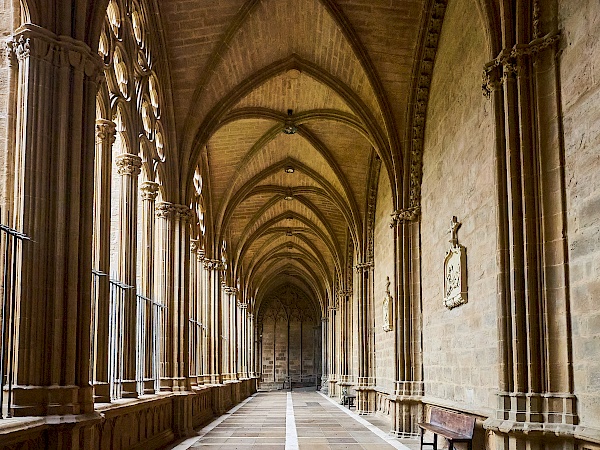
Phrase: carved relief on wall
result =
(388, 303)
(455, 270)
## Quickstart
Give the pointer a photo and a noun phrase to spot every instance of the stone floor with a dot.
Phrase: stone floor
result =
(296, 420)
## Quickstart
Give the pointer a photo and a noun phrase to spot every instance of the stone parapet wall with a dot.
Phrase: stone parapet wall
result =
(146, 423)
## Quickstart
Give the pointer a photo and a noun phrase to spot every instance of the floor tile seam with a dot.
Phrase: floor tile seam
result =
(386, 437)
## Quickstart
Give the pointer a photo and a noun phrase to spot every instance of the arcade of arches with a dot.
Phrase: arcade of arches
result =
(397, 199)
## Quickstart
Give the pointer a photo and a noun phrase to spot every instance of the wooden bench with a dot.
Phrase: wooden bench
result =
(348, 400)
(454, 426)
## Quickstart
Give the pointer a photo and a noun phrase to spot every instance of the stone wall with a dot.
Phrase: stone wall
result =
(384, 267)
(460, 345)
(276, 353)
(580, 91)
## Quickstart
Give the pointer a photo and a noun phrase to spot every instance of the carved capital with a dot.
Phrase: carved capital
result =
(167, 210)
(105, 131)
(364, 267)
(213, 264)
(402, 216)
(33, 41)
(194, 245)
(149, 190)
(229, 290)
(128, 164)
(344, 293)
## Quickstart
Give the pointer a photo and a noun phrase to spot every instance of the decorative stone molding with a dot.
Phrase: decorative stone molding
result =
(420, 99)
(364, 267)
(549, 413)
(455, 270)
(365, 382)
(194, 245)
(213, 264)
(128, 164)
(409, 389)
(33, 41)
(166, 210)
(344, 293)
(509, 61)
(388, 308)
(242, 305)
(149, 190)
(230, 290)
(402, 216)
(106, 131)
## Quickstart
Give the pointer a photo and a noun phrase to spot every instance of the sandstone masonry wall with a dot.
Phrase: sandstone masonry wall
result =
(384, 267)
(460, 355)
(580, 91)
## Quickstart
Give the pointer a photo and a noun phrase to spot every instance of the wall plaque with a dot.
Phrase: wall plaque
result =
(455, 270)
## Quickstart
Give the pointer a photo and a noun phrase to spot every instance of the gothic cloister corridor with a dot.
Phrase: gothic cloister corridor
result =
(207, 204)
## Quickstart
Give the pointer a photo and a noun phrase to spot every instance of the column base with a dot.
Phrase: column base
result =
(101, 392)
(177, 384)
(52, 400)
(129, 389)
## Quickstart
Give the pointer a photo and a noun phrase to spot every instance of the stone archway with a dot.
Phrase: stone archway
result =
(290, 339)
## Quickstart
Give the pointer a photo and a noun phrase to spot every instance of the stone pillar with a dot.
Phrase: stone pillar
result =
(365, 395)
(325, 355)
(250, 343)
(105, 138)
(409, 387)
(203, 314)
(128, 167)
(242, 343)
(213, 268)
(57, 80)
(239, 340)
(172, 282)
(149, 192)
(194, 318)
(536, 379)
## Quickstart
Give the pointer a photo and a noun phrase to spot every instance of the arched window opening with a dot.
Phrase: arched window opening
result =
(129, 322)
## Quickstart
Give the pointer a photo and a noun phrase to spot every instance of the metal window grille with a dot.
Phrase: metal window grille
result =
(11, 242)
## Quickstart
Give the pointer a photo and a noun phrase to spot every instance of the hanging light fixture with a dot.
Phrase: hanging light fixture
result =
(289, 127)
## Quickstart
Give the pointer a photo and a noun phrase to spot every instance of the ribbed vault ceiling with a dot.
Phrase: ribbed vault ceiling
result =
(238, 67)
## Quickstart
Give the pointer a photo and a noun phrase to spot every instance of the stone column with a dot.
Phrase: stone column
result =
(535, 377)
(172, 282)
(57, 81)
(213, 268)
(325, 355)
(331, 352)
(105, 138)
(365, 383)
(409, 387)
(149, 192)
(194, 319)
(242, 343)
(229, 305)
(128, 167)
(203, 314)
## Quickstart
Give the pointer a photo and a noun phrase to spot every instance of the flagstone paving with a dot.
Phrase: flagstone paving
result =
(288, 421)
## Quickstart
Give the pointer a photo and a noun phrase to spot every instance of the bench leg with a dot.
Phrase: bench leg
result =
(433, 444)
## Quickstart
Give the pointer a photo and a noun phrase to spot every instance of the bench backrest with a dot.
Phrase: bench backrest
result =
(453, 421)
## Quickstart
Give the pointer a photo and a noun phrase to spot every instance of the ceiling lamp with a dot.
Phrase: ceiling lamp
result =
(289, 195)
(289, 232)
(289, 127)
(289, 169)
